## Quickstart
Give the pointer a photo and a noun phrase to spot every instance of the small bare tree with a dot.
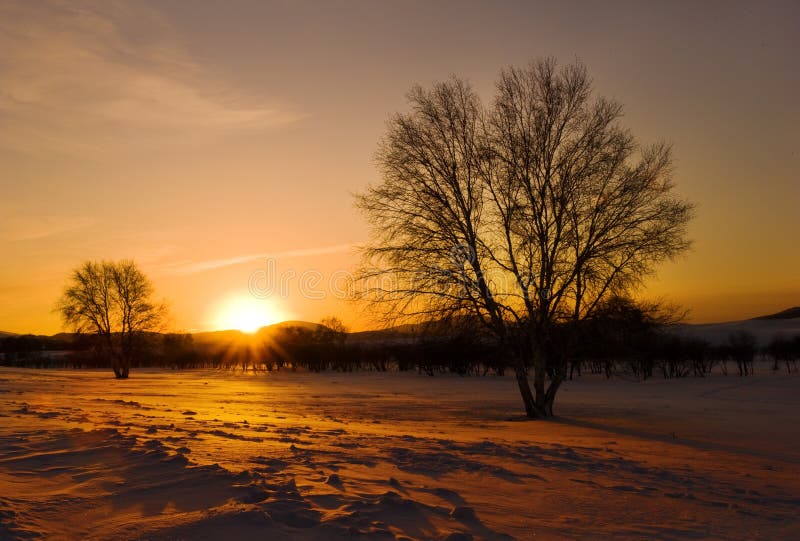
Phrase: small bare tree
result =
(113, 301)
(334, 324)
(523, 215)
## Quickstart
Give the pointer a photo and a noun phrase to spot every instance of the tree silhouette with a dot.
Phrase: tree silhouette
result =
(524, 215)
(113, 300)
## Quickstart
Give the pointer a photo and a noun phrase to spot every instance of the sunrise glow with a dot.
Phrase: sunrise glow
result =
(246, 314)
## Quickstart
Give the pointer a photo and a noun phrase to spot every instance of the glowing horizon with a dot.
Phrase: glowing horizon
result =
(246, 314)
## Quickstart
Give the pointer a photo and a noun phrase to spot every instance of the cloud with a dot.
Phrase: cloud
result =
(193, 267)
(79, 77)
(34, 228)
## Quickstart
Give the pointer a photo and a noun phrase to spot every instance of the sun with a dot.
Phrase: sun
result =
(246, 314)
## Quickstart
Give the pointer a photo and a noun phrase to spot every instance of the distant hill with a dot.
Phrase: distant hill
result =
(224, 336)
(391, 334)
(218, 336)
(294, 323)
(233, 335)
(789, 313)
(763, 329)
(413, 331)
(65, 336)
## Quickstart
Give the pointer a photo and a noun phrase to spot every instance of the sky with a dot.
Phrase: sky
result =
(219, 144)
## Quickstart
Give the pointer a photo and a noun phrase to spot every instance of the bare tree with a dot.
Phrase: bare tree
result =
(113, 301)
(523, 215)
(741, 347)
(333, 324)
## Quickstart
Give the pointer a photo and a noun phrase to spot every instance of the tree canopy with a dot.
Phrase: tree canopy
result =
(521, 215)
(112, 300)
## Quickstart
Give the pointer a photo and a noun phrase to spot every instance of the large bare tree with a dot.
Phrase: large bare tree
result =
(524, 215)
(114, 301)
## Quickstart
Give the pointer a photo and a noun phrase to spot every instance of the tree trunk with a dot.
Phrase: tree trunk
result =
(125, 363)
(546, 394)
(111, 355)
(525, 390)
(538, 383)
(120, 365)
(120, 370)
(550, 397)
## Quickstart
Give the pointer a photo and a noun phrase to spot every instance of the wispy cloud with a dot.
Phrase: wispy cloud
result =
(39, 227)
(193, 267)
(80, 76)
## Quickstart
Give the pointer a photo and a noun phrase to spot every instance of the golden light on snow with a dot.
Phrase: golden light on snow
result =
(245, 313)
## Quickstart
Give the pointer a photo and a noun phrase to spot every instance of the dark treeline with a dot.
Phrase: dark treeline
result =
(622, 342)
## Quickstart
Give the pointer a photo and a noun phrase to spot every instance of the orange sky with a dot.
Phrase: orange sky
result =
(201, 139)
